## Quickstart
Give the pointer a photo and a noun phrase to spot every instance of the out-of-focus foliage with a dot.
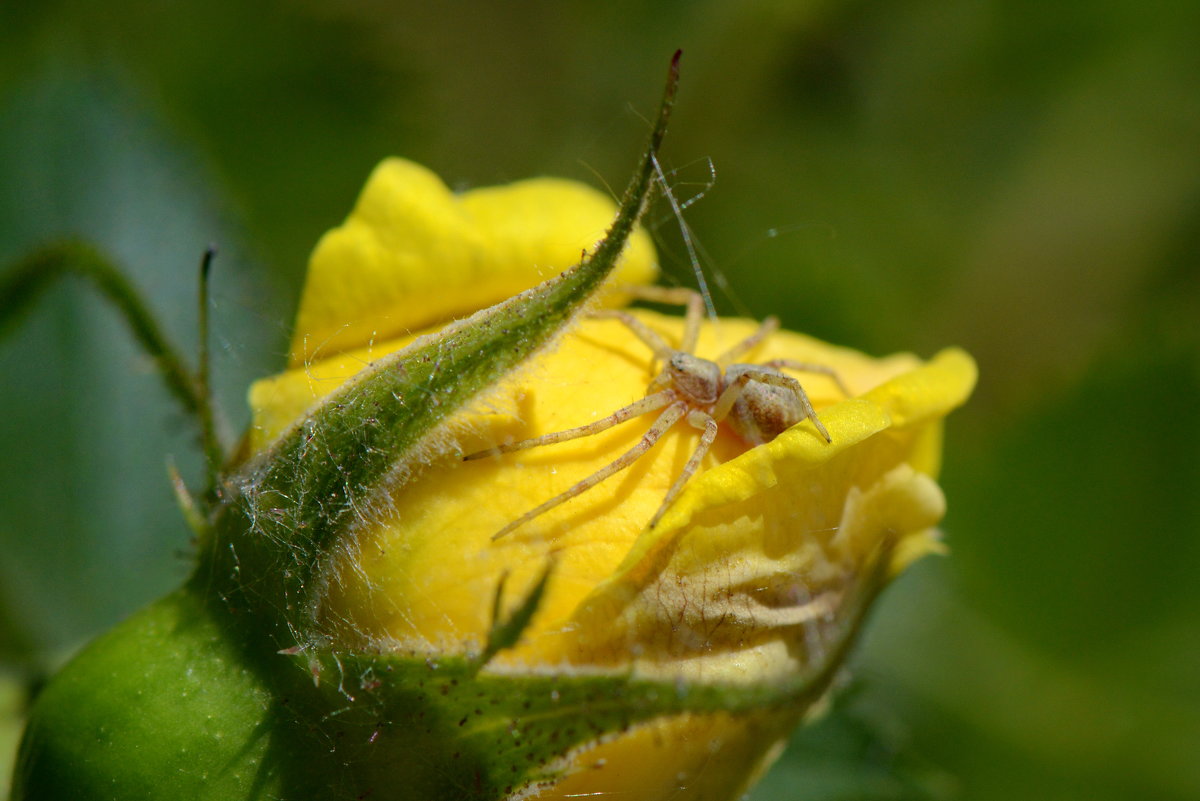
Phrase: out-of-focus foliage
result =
(1021, 179)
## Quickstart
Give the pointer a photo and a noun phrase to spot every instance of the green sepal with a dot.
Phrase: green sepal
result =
(454, 732)
(284, 512)
(506, 631)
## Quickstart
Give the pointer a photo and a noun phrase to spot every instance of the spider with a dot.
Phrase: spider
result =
(757, 400)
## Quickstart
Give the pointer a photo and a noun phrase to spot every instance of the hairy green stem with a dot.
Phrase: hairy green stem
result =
(21, 286)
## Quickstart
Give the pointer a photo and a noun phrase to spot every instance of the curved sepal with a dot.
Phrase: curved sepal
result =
(458, 733)
(286, 510)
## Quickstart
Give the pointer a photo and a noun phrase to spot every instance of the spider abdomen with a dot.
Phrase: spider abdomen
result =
(762, 411)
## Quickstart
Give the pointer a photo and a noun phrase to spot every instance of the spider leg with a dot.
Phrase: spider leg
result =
(769, 326)
(807, 367)
(693, 463)
(644, 406)
(643, 332)
(668, 418)
(729, 396)
(680, 296)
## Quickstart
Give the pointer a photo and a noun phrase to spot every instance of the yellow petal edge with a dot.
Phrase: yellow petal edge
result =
(413, 254)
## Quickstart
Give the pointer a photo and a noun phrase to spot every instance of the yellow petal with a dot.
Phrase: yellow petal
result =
(685, 758)
(413, 254)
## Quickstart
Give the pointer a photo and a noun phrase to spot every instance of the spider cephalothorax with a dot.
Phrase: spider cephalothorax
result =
(757, 400)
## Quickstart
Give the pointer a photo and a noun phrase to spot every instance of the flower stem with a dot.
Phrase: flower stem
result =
(34, 274)
(212, 448)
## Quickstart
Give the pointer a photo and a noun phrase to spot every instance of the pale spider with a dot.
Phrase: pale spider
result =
(757, 400)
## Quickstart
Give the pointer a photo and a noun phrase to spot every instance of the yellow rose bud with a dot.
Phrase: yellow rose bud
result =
(755, 574)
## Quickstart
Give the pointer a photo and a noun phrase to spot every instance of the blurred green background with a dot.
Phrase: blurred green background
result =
(1019, 178)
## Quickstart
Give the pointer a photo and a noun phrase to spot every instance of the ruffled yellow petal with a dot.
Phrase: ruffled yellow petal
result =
(413, 254)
